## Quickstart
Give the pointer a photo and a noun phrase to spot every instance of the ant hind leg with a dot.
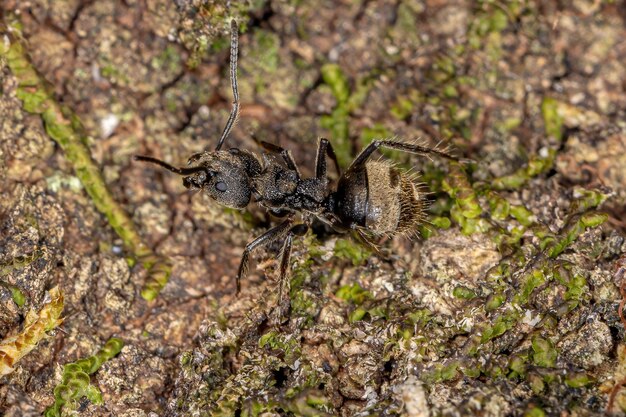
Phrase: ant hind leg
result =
(285, 257)
(401, 146)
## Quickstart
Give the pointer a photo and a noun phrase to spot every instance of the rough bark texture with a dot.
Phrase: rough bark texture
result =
(507, 304)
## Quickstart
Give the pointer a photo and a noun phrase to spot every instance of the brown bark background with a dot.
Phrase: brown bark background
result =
(507, 305)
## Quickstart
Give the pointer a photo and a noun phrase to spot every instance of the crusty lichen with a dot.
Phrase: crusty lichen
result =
(38, 323)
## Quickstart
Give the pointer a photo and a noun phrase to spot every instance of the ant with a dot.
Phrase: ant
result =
(372, 198)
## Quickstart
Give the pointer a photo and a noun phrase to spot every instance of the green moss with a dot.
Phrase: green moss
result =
(440, 222)
(442, 372)
(304, 302)
(535, 166)
(576, 288)
(337, 122)
(574, 228)
(405, 29)
(357, 314)
(501, 325)
(536, 383)
(466, 209)
(463, 292)
(354, 294)
(308, 403)
(18, 296)
(265, 55)
(494, 301)
(200, 48)
(75, 382)
(402, 108)
(517, 365)
(346, 101)
(551, 118)
(534, 411)
(113, 73)
(593, 219)
(578, 380)
(348, 249)
(376, 131)
(544, 354)
(420, 317)
(288, 344)
(522, 215)
(498, 206)
(334, 77)
(532, 280)
(471, 370)
(586, 200)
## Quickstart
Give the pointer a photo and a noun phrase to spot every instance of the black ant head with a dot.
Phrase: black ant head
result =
(220, 174)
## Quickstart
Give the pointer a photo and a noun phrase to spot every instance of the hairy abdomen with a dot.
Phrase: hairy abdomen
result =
(381, 199)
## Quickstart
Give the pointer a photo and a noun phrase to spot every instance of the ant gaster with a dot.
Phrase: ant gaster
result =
(371, 197)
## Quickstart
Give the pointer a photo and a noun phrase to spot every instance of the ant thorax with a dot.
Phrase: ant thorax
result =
(280, 187)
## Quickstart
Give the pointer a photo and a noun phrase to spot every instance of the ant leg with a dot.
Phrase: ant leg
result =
(367, 242)
(284, 153)
(325, 148)
(234, 113)
(284, 286)
(279, 212)
(266, 238)
(401, 146)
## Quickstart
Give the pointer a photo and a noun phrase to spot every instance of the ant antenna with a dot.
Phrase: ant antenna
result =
(234, 113)
(179, 171)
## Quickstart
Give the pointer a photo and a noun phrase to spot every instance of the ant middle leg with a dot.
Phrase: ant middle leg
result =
(401, 146)
(284, 285)
(265, 239)
(325, 148)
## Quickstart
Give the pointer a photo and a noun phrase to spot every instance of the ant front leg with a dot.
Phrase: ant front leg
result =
(265, 239)
(401, 146)
(325, 148)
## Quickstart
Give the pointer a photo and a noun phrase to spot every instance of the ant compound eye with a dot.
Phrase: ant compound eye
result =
(220, 186)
